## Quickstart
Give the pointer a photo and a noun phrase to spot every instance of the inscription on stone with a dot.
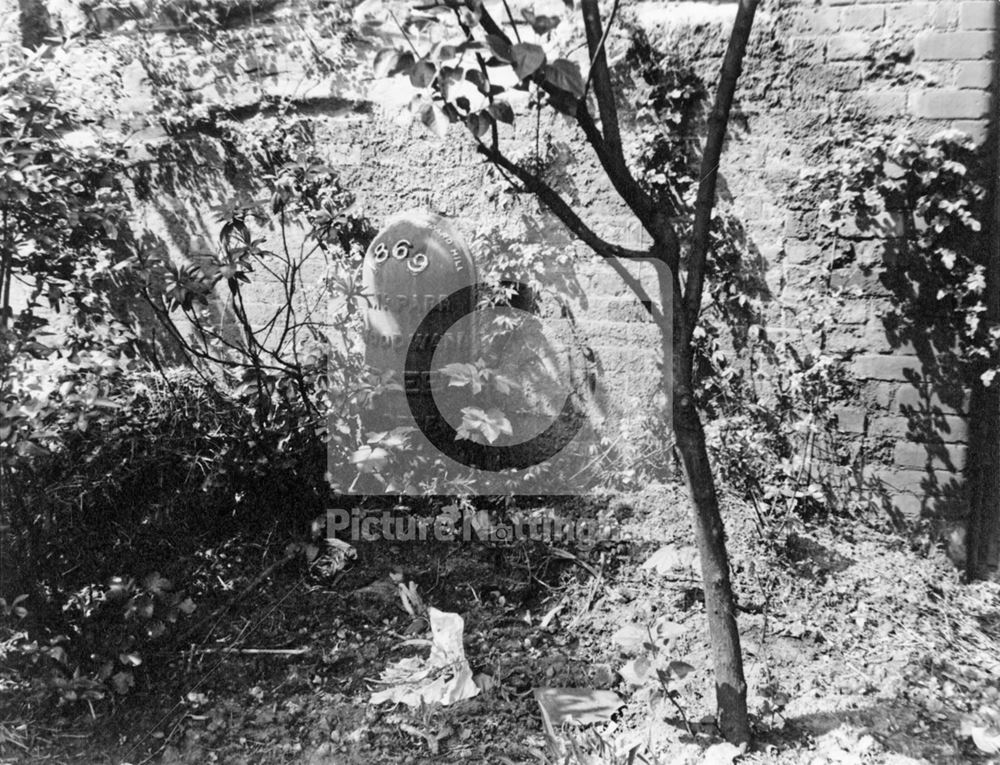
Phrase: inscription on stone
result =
(418, 261)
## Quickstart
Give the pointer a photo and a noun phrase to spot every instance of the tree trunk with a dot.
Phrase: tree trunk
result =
(710, 534)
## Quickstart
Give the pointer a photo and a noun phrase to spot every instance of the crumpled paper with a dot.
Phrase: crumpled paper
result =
(444, 677)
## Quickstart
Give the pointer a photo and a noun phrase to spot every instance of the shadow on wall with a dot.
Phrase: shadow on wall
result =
(929, 319)
(182, 198)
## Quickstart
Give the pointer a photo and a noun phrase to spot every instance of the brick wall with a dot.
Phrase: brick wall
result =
(815, 70)
(920, 67)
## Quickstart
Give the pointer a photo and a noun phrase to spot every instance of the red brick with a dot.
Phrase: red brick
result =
(914, 400)
(881, 103)
(952, 458)
(957, 46)
(802, 253)
(871, 17)
(840, 77)
(949, 428)
(980, 14)
(975, 74)
(921, 15)
(853, 312)
(889, 427)
(978, 130)
(947, 104)
(884, 225)
(816, 21)
(887, 367)
(881, 393)
(850, 419)
(616, 309)
(913, 507)
(910, 506)
(808, 277)
(847, 46)
(875, 339)
(806, 50)
(869, 281)
(910, 481)
(846, 342)
(801, 224)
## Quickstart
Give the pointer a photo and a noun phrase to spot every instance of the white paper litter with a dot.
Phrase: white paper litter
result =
(443, 678)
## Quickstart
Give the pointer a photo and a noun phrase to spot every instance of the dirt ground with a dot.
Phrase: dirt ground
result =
(860, 643)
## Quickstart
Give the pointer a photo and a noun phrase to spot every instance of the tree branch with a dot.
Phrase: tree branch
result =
(601, 78)
(718, 121)
(555, 203)
(653, 220)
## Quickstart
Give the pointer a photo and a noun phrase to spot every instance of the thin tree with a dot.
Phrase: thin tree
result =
(568, 92)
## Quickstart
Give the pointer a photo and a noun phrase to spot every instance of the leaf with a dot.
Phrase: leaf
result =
(586, 706)
(448, 76)
(58, 653)
(540, 24)
(369, 459)
(636, 672)
(123, 682)
(630, 638)
(433, 118)
(526, 58)
(502, 112)
(476, 78)
(499, 47)
(460, 374)
(479, 123)
(403, 64)
(385, 61)
(422, 74)
(565, 75)
(489, 425)
(156, 584)
(680, 669)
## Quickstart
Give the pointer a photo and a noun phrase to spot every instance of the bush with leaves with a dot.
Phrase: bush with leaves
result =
(61, 211)
(930, 197)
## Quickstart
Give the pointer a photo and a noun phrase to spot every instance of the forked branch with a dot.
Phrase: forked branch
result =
(533, 184)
